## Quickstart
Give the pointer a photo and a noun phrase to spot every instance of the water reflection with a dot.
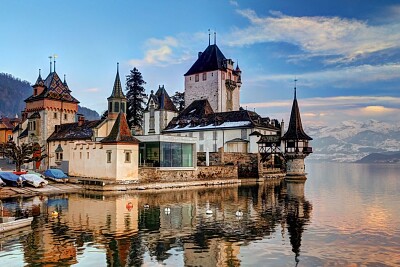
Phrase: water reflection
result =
(173, 228)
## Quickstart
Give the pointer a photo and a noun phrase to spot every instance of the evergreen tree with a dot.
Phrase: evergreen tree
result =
(179, 100)
(136, 98)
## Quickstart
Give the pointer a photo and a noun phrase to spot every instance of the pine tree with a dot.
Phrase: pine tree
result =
(136, 98)
(179, 100)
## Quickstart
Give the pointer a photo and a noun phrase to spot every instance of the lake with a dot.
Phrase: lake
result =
(343, 215)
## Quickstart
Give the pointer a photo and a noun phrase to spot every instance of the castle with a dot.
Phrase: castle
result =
(212, 122)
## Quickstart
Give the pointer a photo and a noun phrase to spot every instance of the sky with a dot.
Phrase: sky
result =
(345, 54)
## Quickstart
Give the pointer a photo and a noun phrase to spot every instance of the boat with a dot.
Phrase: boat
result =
(2, 183)
(11, 223)
(34, 180)
(11, 179)
(56, 175)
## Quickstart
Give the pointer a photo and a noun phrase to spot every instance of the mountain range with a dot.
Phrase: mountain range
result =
(13, 93)
(352, 140)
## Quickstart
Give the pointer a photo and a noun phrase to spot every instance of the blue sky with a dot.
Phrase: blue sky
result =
(345, 54)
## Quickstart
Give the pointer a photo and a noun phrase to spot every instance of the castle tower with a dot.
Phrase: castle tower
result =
(117, 100)
(296, 143)
(50, 105)
(159, 112)
(213, 77)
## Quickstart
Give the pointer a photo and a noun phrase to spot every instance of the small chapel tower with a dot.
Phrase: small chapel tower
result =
(213, 77)
(117, 100)
(296, 143)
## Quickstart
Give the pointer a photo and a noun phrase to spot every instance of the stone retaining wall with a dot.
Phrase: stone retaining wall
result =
(247, 163)
(202, 173)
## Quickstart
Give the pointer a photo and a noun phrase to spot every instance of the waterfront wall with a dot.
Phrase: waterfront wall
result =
(246, 163)
(155, 175)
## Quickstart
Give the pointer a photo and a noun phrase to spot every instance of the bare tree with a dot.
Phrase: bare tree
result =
(23, 153)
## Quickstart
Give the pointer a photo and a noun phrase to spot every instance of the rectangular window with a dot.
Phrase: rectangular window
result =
(204, 76)
(109, 156)
(243, 134)
(201, 148)
(223, 76)
(123, 107)
(116, 107)
(80, 155)
(61, 156)
(201, 135)
(57, 156)
(34, 125)
(109, 107)
(55, 115)
(196, 78)
(65, 116)
(215, 135)
(128, 156)
(87, 155)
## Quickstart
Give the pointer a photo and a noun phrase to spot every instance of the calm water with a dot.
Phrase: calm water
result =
(344, 215)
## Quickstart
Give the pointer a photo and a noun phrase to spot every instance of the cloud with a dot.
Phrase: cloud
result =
(233, 3)
(159, 52)
(339, 77)
(344, 39)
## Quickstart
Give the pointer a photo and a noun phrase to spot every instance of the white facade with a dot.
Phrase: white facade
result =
(212, 140)
(161, 120)
(104, 161)
(212, 85)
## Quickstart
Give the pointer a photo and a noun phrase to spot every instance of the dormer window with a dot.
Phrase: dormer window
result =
(204, 76)
(196, 78)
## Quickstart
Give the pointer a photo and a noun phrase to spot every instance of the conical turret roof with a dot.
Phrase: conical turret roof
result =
(117, 89)
(295, 130)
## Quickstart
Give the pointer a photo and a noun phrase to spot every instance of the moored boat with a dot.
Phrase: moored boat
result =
(2, 183)
(56, 175)
(34, 180)
(10, 223)
(11, 179)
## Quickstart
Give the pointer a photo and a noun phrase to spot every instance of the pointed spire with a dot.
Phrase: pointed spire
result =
(50, 57)
(295, 129)
(39, 80)
(117, 89)
(237, 66)
(65, 81)
(215, 38)
(295, 81)
(120, 132)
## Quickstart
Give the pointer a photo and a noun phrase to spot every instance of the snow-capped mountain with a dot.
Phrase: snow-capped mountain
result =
(352, 140)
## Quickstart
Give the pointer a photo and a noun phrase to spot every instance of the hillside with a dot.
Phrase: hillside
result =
(352, 140)
(388, 157)
(13, 93)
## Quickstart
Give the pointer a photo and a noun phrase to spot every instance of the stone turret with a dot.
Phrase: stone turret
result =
(296, 143)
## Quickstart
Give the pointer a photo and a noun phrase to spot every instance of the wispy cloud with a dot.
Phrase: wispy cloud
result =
(159, 52)
(345, 39)
(339, 77)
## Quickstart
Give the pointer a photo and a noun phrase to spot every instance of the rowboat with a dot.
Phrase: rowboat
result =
(56, 175)
(10, 223)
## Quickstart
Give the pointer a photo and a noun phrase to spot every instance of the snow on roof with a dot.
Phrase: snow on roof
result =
(229, 124)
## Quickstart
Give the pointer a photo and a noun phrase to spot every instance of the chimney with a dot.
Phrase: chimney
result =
(81, 119)
(200, 53)
(282, 128)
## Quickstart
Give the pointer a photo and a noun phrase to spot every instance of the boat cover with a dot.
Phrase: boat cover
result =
(34, 179)
(9, 176)
(55, 173)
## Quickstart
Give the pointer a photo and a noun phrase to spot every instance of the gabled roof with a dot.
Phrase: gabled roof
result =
(54, 89)
(7, 123)
(120, 132)
(35, 115)
(74, 131)
(162, 100)
(117, 88)
(211, 59)
(199, 116)
(295, 130)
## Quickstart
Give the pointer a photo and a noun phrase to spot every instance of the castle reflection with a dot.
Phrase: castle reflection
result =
(195, 227)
